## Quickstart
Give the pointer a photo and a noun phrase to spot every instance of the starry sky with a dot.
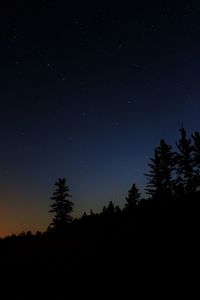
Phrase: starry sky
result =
(87, 89)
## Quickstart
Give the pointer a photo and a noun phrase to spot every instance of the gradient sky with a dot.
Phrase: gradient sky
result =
(87, 89)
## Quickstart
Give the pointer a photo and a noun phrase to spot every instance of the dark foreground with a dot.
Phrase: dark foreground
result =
(152, 251)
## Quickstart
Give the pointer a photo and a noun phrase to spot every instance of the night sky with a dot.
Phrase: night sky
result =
(86, 92)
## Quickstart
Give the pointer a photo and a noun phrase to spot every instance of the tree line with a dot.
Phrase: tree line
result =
(172, 175)
(175, 173)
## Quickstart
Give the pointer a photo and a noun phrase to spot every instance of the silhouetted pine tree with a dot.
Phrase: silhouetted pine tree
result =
(61, 206)
(84, 216)
(104, 209)
(133, 198)
(118, 210)
(160, 183)
(185, 164)
(196, 157)
(92, 213)
(110, 210)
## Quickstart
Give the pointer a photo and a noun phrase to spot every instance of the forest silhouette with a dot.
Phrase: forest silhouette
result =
(135, 236)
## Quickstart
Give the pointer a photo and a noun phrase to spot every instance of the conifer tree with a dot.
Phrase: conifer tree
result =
(160, 177)
(133, 198)
(110, 210)
(196, 157)
(185, 163)
(61, 206)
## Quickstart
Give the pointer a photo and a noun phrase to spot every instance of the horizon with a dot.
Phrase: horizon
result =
(118, 200)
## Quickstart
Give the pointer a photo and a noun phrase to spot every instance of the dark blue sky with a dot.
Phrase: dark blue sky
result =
(87, 90)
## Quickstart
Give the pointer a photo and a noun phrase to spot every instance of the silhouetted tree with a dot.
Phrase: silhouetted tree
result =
(104, 209)
(29, 234)
(92, 213)
(22, 234)
(110, 210)
(118, 210)
(133, 198)
(196, 157)
(61, 206)
(161, 171)
(38, 234)
(185, 164)
(84, 216)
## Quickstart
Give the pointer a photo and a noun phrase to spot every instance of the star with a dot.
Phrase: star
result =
(135, 65)
(119, 46)
(84, 115)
